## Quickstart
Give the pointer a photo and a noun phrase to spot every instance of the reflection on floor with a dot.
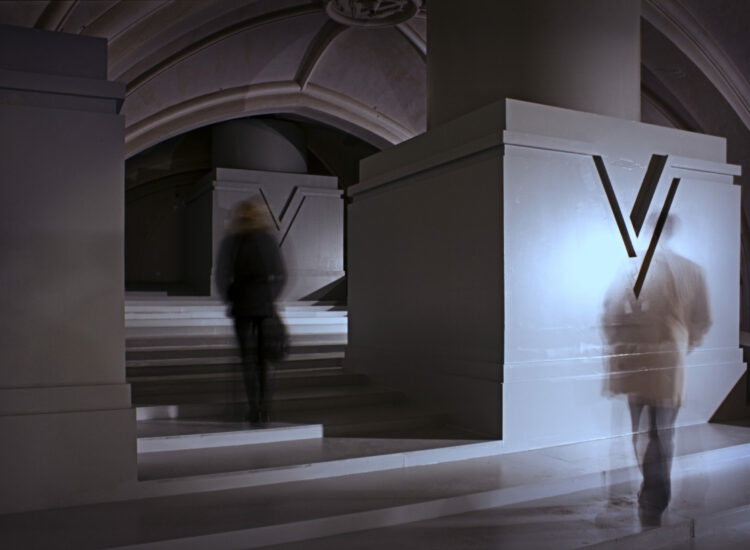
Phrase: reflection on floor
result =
(416, 495)
(710, 510)
(180, 449)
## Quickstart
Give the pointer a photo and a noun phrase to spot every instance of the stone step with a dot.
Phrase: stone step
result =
(421, 500)
(147, 341)
(293, 461)
(231, 371)
(134, 355)
(291, 319)
(294, 326)
(200, 317)
(168, 435)
(598, 518)
(154, 388)
(329, 333)
(223, 405)
(299, 357)
(220, 318)
(187, 302)
(311, 362)
(179, 362)
(260, 497)
(381, 420)
(131, 308)
(216, 313)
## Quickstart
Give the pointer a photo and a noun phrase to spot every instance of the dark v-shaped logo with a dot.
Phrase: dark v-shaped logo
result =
(640, 209)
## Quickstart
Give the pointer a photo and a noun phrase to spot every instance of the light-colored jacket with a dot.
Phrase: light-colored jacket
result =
(649, 336)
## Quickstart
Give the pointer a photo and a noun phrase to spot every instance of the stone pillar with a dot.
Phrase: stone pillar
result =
(577, 54)
(259, 144)
(306, 215)
(481, 252)
(66, 421)
(266, 160)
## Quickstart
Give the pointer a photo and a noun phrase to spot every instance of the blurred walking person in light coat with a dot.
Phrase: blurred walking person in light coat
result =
(650, 336)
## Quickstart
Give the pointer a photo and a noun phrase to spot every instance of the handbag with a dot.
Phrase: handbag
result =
(276, 339)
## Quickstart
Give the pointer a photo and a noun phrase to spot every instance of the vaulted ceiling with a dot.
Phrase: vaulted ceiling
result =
(188, 63)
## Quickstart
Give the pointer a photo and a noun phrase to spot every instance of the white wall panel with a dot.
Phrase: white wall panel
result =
(459, 247)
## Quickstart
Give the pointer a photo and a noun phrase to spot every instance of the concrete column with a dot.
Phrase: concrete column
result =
(259, 144)
(66, 421)
(577, 54)
(481, 252)
(305, 212)
(266, 160)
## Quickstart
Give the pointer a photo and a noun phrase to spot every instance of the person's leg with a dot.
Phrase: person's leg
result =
(244, 330)
(657, 463)
(664, 418)
(261, 369)
(636, 409)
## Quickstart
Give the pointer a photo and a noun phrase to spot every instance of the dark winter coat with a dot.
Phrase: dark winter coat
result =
(250, 273)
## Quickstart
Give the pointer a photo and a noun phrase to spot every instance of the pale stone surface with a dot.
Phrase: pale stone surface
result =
(265, 58)
(486, 266)
(306, 216)
(563, 251)
(582, 55)
(66, 421)
(593, 480)
(259, 144)
(425, 288)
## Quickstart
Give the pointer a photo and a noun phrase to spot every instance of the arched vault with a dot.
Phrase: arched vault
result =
(187, 63)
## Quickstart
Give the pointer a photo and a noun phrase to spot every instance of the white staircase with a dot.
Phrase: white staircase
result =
(406, 494)
(204, 317)
(183, 363)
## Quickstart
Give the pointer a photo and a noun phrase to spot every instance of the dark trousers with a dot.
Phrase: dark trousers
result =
(656, 459)
(249, 332)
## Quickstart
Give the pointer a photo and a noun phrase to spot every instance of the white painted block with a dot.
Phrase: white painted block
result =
(228, 439)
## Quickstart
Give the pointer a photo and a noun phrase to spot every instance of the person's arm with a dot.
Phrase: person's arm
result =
(274, 265)
(224, 267)
(700, 312)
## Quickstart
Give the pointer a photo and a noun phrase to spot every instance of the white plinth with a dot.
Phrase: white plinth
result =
(482, 252)
(66, 422)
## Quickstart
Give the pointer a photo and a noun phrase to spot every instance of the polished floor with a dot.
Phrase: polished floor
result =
(572, 496)
(708, 511)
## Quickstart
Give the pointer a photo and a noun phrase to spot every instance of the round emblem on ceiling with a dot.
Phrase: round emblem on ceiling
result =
(372, 13)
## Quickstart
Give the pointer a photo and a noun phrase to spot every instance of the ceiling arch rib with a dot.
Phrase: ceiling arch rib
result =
(414, 39)
(165, 29)
(216, 37)
(659, 96)
(118, 19)
(83, 13)
(679, 26)
(55, 14)
(349, 115)
(315, 50)
(315, 102)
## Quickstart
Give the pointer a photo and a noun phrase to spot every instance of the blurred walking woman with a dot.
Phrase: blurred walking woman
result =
(250, 276)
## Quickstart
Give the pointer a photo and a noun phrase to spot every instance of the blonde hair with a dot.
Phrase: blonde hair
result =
(247, 215)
